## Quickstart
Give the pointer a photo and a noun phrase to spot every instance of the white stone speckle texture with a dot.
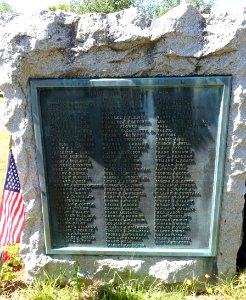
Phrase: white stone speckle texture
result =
(182, 42)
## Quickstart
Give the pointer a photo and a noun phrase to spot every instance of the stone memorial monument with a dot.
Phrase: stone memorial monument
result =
(128, 137)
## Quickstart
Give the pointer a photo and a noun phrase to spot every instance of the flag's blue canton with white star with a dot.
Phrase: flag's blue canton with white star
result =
(12, 182)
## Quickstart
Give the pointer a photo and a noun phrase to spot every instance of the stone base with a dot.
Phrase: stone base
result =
(168, 270)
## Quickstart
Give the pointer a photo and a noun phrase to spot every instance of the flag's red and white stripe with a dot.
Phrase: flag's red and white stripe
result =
(12, 214)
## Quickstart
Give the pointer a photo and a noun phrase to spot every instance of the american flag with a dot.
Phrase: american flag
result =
(12, 214)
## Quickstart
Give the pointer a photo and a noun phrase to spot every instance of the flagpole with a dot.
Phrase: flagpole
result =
(10, 143)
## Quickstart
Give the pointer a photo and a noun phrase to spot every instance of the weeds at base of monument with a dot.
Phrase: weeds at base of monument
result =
(117, 287)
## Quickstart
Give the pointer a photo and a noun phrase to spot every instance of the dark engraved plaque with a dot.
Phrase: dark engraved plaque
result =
(131, 165)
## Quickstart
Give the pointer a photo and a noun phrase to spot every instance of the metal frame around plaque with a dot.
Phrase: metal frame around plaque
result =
(221, 82)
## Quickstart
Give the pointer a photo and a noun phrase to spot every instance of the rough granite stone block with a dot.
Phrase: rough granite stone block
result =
(126, 44)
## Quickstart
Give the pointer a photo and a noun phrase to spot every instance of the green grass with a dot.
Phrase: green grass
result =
(230, 289)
